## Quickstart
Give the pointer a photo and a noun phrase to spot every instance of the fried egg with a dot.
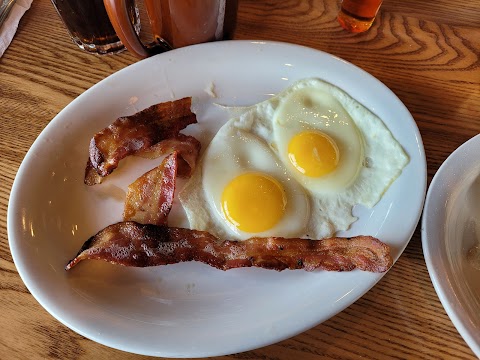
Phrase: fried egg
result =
(317, 140)
(243, 189)
(312, 142)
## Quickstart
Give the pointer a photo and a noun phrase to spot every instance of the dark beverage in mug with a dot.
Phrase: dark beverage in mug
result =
(89, 25)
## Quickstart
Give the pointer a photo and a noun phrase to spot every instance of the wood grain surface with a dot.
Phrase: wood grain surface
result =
(427, 52)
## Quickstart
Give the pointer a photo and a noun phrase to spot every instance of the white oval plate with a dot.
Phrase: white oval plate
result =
(189, 309)
(448, 232)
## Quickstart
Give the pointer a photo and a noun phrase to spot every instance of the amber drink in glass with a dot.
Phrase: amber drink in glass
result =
(358, 15)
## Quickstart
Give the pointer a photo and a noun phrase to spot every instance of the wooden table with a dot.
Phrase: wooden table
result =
(427, 52)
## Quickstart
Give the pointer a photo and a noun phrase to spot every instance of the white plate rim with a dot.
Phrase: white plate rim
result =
(433, 240)
(263, 44)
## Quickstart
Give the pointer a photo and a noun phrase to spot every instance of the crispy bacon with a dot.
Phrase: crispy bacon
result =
(187, 147)
(150, 198)
(133, 244)
(132, 134)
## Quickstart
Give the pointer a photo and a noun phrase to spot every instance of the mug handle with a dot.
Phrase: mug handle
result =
(118, 14)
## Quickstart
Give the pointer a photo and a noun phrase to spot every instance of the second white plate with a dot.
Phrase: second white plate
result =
(450, 231)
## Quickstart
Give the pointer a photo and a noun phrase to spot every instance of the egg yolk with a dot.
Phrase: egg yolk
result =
(254, 202)
(313, 153)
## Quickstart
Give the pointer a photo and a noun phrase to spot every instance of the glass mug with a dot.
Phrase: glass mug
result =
(89, 26)
(174, 23)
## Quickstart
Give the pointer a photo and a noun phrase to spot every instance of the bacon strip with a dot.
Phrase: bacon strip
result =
(133, 244)
(187, 147)
(131, 134)
(150, 198)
